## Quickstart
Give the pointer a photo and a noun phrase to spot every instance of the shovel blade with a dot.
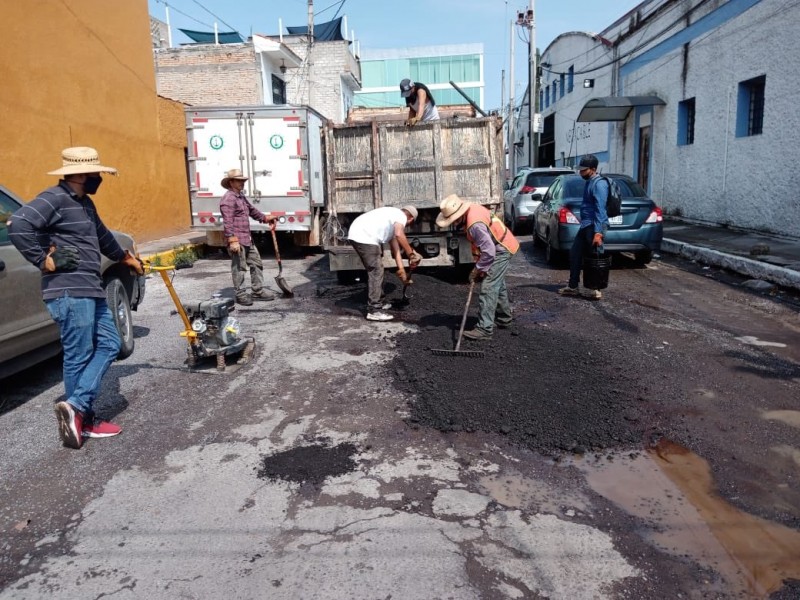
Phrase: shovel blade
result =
(287, 291)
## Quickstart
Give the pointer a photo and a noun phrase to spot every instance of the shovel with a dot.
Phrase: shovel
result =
(458, 351)
(287, 291)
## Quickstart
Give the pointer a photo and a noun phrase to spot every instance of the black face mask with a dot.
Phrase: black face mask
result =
(91, 184)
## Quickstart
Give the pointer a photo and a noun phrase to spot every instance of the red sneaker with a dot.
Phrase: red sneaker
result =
(101, 429)
(70, 424)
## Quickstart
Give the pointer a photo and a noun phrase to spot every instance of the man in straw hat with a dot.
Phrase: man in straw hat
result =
(367, 234)
(61, 233)
(493, 245)
(236, 213)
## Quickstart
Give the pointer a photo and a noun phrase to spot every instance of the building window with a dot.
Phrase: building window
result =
(570, 79)
(278, 90)
(541, 99)
(750, 107)
(555, 91)
(686, 122)
(563, 84)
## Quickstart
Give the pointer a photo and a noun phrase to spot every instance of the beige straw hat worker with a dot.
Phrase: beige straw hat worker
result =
(81, 159)
(453, 208)
(232, 174)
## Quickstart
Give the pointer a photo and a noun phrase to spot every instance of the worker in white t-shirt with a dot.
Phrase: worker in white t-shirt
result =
(367, 235)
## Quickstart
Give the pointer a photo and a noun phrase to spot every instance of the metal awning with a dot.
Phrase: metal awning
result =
(615, 108)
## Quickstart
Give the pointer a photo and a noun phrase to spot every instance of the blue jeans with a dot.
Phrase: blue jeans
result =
(493, 301)
(91, 343)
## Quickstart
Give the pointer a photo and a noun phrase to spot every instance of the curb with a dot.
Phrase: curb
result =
(744, 266)
(167, 257)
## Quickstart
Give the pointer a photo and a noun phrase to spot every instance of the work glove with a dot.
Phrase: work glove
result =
(414, 260)
(133, 262)
(404, 277)
(476, 275)
(233, 245)
(412, 121)
(597, 240)
(61, 259)
(269, 219)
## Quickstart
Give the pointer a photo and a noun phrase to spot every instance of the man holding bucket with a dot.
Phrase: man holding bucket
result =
(594, 223)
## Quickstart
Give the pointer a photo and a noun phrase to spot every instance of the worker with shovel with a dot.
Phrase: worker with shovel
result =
(236, 213)
(493, 245)
(366, 235)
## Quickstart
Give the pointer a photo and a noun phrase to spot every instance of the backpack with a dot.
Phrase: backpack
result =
(614, 202)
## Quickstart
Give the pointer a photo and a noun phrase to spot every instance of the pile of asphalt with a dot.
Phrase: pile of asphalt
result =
(542, 386)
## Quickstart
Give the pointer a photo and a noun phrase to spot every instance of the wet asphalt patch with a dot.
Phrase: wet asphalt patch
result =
(309, 464)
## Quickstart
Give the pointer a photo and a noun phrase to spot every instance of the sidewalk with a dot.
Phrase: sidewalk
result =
(772, 259)
(757, 256)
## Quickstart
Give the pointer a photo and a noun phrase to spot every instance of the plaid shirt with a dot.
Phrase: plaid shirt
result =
(236, 212)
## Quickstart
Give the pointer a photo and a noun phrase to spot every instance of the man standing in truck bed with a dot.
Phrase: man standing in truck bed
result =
(420, 102)
(366, 235)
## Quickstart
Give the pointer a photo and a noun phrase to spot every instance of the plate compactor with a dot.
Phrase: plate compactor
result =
(209, 328)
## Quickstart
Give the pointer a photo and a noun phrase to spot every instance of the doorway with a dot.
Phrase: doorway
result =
(643, 176)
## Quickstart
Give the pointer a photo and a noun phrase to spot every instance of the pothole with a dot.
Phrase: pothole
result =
(309, 464)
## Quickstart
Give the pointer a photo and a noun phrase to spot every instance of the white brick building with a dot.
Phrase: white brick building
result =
(265, 70)
(709, 118)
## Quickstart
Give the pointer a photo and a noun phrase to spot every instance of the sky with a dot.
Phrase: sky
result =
(382, 24)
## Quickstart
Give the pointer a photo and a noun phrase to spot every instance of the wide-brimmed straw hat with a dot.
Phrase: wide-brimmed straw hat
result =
(81, 159)
(232, 174)
(453, 208)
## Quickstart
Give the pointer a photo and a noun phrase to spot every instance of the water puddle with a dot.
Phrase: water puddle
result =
(535, 316)
(767, 552)
(672, 491)
(790, 417)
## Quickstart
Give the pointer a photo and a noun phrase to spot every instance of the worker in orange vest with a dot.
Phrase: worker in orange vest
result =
(493, 245)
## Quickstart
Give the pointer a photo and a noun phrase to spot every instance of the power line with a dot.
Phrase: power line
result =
(180, 12)
(215, 16)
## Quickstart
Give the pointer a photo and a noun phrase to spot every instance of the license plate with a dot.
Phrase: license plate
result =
(615, 220)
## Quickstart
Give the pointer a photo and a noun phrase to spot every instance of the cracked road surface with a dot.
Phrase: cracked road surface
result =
(320, 471)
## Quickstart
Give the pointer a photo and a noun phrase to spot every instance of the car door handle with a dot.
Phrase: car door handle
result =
(2, 265)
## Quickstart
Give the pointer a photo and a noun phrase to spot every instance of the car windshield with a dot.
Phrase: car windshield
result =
(539, 180)
(628, 188)
(573, 186)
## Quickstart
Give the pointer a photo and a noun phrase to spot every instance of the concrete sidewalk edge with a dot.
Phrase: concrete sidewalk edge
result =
(167, 257)
(745, 266)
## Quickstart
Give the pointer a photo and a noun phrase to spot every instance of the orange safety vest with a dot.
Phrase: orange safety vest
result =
(501, 234)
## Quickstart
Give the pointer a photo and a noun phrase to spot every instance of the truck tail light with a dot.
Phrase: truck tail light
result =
(565, 216)
(526, 189)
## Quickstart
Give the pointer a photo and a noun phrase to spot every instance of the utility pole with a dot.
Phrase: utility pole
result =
(528, 21)
(512, 134)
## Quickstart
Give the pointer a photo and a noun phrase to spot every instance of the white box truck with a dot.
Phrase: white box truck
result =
(277, 147)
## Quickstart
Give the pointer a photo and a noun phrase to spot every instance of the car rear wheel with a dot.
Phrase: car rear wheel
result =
(643, 257)
(553, 256)
(120, 306)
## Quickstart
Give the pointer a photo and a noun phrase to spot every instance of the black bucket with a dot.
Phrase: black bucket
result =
(595, 271)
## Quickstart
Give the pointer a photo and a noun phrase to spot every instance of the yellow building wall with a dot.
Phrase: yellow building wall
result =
(81, 73)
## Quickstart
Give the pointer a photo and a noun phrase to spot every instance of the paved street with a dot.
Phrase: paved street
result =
(322, 468)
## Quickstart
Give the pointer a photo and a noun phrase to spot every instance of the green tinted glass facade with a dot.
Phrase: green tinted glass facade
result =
(442, 97)
(433, 71)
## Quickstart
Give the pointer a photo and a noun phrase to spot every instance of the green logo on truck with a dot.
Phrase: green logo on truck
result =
(215, 142)
(276, 141)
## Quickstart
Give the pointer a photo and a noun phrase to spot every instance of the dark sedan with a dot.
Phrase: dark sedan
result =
(637, 230)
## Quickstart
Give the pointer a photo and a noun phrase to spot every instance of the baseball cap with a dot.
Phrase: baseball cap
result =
(405, 88)
(412, 210)
(588, 162)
